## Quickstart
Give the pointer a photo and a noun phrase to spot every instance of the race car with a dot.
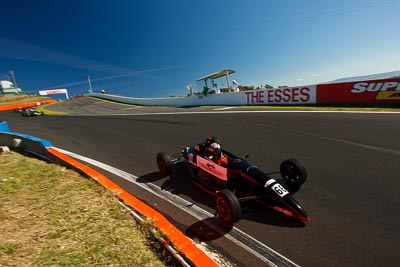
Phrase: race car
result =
(30, 112)
(235, 181)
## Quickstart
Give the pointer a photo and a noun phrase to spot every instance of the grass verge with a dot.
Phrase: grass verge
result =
(53, 216)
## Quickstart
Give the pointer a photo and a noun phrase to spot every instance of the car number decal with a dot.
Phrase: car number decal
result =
(280, 190)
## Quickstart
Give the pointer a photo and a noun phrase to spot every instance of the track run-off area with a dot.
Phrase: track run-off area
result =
(352, 159)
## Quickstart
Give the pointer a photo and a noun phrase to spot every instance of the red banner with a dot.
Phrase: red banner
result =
(382, 91)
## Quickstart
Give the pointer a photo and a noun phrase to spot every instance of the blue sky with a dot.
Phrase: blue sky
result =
(154, 48)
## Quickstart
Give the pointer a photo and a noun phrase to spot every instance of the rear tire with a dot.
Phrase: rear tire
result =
(293, 175)
(227, 206)
(164, 163)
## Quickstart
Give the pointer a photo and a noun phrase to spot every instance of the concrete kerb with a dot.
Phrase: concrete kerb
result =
(186, 252)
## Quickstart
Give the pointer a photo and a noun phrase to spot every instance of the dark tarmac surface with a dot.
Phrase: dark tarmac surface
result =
(352, 193)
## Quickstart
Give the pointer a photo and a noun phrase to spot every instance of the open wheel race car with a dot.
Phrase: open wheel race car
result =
(30, 112)
(236, 181)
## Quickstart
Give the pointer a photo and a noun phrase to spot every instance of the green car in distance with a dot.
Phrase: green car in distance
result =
(30, 112)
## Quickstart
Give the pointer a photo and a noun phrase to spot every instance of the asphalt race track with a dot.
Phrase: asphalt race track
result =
(352, 159)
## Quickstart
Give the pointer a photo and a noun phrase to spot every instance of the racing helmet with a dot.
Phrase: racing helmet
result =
(215, 150)
(212, 139)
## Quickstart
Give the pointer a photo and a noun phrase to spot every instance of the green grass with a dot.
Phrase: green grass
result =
(53, 216)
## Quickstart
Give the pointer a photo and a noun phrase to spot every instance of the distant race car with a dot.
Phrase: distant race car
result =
(234, 180)
(30, 112)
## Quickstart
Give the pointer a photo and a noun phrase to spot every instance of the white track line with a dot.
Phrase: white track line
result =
(130, 108)
(237, 112)
(376, 148)
(225, 108)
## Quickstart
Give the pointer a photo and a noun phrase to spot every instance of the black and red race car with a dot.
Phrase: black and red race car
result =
(236, 181)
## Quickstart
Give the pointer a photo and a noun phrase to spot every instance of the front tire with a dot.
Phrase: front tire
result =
(164, 163)
(227, 206)
(293, 175)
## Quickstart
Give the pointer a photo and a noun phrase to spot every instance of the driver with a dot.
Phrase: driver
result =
(214, 152)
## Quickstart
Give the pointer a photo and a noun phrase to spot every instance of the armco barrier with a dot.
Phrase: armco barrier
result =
(184, 250)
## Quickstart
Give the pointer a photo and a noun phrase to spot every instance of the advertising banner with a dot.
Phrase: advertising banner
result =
(382, 91)
(282, 96)
(54, 92)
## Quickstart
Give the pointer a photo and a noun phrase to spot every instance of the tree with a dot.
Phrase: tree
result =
(246, 87)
